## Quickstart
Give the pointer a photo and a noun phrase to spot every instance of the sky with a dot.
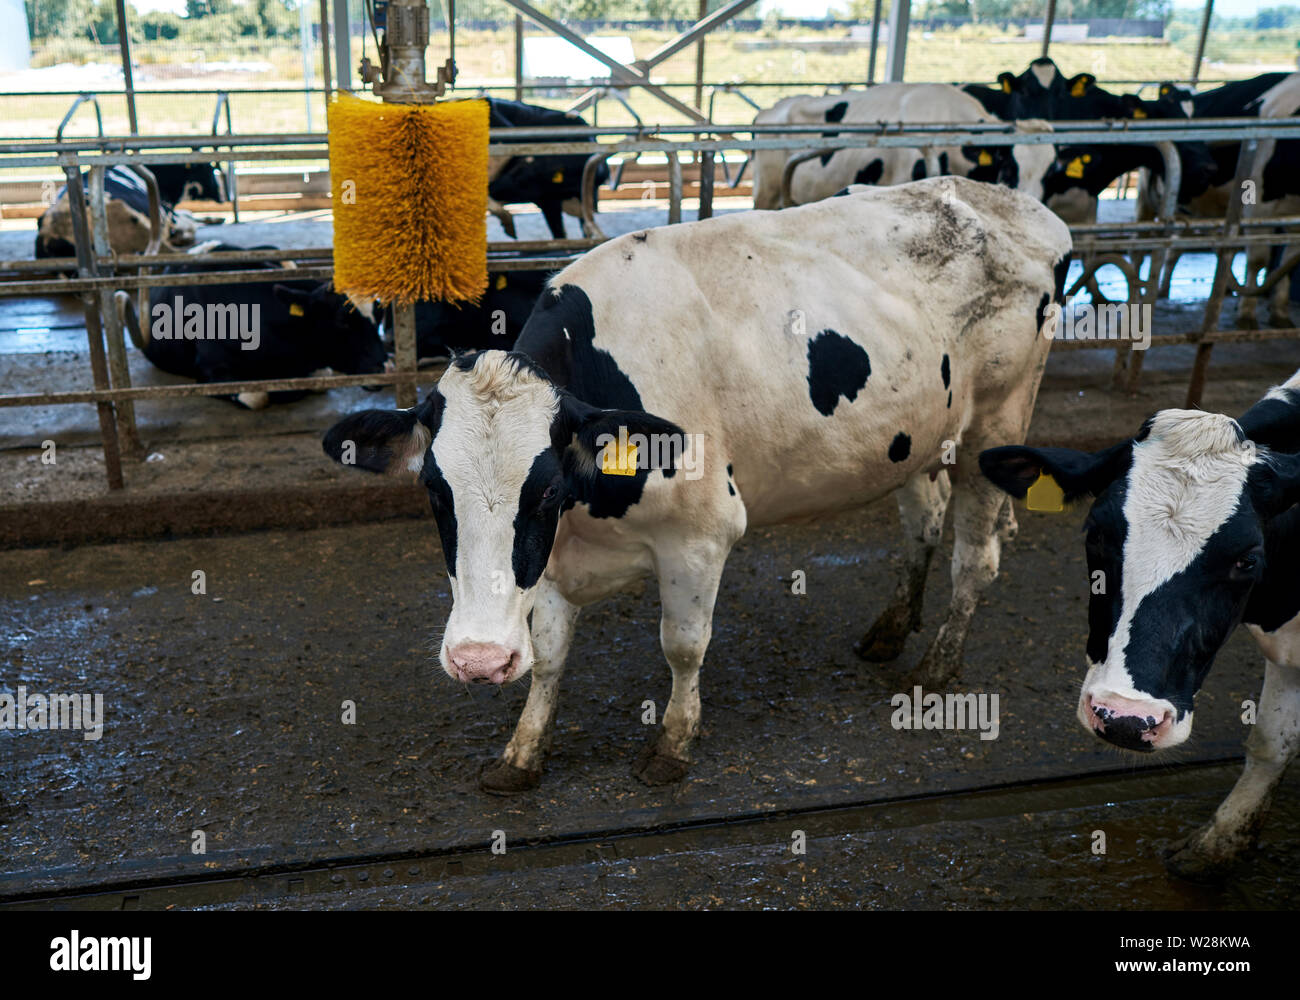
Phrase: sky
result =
(817, 8)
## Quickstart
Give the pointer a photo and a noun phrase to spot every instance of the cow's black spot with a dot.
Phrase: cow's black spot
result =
(950, 399)
(900, 447)
(836, 367)
(537, 518)
(945, 370)
(641, 237)
(835, 113)
(918, 170)
(943, 164)
(730, 489)
(871, 173)
(1059, 270)
(826, 157)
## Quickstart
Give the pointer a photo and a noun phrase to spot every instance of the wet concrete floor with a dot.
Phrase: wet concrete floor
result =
(224, 715)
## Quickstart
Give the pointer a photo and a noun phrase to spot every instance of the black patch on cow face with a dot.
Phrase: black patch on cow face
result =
(918, 170)
(900, 447)
(871, 173)
(945, 371)
(836, 367)
(541, 501)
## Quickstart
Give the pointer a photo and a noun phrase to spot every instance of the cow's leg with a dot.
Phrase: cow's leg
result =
(1279, 303)
(553, 213)
(1211, 850)
(503, 215)
(979, 525)
(922, 503)
(520, 766)
(688, 587)
(1256, 259)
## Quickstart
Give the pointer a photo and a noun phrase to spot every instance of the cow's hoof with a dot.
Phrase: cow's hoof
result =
(498, 777)
(934, 672)
(655, 768)
(1201, 857)
(1246, 320)
(1279, 321)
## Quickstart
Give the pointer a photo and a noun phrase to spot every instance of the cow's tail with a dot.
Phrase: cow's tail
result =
(130, 319)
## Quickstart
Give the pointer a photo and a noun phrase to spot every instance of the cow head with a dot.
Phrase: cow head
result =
(503, 452)
(335, 333)
(1175, 544)
(1198, 164)
(179, 182)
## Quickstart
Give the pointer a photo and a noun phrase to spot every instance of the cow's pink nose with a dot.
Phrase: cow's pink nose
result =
(1134, 725)
(482, 662)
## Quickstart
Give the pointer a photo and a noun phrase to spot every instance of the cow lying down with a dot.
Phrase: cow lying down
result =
(805, 362)
(1196, 528)
(248, 332)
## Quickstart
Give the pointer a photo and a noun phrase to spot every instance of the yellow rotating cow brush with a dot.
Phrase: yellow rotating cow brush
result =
(409, 177)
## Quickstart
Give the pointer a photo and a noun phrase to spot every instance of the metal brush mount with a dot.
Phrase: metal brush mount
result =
(400, 75)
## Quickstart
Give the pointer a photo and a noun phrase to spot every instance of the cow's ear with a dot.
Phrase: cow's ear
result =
(1081, 84)
(1007, 81)
(1275, 484)
(386, 441)
(1275, 420)
(1015, 468)
(1134, 106)
(296, 300)
(617, 444)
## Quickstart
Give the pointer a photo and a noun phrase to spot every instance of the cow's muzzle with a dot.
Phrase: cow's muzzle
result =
(482, 662)
(1141, 725)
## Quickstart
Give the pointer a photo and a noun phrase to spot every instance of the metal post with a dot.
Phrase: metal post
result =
(706, 185)
(1048, 21)
(875, 38)
(128, 81)
(896, 44)
(674, 187)
(405, 355)
(519, 57)
(1200, 41)
(699, 59)
(306, 59)
(86, 268)
(342, 45)
(325, 48)
(1222, 272)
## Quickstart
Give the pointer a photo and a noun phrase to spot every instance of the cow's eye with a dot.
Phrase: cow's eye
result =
(549, 492)
(1246, 565)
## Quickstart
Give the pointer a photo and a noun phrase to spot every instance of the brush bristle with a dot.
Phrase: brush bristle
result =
(409, 185)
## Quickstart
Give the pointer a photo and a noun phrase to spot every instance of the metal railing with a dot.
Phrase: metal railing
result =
(100, 272)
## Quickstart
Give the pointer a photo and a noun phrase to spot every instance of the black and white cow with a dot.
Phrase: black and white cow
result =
(1022, 167)
(805, 362)
(244, 332)
(1081, 173)
(1194, 529)
(126, 204)
(552, 183)
(1277, 181)
(443, 328)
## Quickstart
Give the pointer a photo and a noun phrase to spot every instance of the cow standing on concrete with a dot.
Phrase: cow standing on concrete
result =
(677, 386)
(126, 205)
(552, 182)
(1195, 528)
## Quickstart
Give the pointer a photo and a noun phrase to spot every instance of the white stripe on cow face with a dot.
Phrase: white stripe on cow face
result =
(496, 421)
(1187, 478)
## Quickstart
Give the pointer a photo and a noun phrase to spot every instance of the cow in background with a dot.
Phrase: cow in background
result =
(126, 204)
(246, 332)
(553, 183)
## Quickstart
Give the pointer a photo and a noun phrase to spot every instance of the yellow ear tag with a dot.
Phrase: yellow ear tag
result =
(1139, 113)
(1079, 89)
(1006, 86)
(1074, 168)
(557, 177)
(986, 158)
(1045, 495)
(296, 310)
(616, 462)
(501, 282)
(1164, 91)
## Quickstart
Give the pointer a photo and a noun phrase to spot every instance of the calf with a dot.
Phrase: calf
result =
(676, 386)
(126, 204)
(245, 332)
(1022, 167)
(1194, 528)
(553, 183)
